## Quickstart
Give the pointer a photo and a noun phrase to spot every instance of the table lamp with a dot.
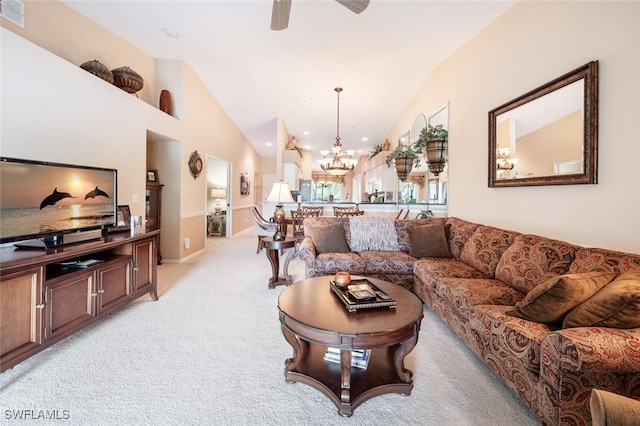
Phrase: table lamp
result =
(280, 194)
(218, 194)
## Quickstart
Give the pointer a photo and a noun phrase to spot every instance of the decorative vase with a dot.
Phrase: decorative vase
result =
(386, 146)
(436, 155)
(403, 167)
(127, 79)
(166, 103)
(98, 69)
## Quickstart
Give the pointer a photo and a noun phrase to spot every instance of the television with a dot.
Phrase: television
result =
(42, 202)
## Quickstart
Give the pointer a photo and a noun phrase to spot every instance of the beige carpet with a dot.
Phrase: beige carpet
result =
(210, 352)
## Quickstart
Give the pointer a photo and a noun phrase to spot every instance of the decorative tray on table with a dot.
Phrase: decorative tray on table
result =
(362, 294)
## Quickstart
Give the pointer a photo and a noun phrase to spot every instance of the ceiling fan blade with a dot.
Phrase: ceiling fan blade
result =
(355, 6)
(280, 14)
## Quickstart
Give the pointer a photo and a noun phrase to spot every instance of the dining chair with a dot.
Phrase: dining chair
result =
(338, 210)
(264, 228)
(348, 212)
(402, 214)
(297, 220)
(312, 208)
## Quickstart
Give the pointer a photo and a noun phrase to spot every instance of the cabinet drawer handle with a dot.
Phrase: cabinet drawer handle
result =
(40, 306)
(101, 291)
(136, 269)
(94, 294)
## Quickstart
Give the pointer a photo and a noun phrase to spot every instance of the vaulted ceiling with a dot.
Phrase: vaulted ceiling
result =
(381, 57)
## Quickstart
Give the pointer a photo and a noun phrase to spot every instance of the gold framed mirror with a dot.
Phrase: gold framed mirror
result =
(548, 136)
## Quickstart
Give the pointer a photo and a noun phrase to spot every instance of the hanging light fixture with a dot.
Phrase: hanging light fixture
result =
(338, 165)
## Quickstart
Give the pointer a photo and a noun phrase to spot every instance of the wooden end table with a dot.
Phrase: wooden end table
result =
(312, 319)
(272, 248)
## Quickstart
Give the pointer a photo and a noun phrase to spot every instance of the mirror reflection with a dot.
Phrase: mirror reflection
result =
(547, 136)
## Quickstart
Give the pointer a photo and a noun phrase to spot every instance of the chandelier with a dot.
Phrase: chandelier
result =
(338, 165)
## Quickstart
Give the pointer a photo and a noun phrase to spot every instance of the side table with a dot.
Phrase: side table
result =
(272, 248)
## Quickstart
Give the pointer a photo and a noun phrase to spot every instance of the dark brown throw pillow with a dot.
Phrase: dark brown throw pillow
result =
(329, 238)
(617, 305)
(428, 241)
(549, 301)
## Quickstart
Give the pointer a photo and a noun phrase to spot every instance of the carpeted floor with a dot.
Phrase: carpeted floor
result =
(210, 352)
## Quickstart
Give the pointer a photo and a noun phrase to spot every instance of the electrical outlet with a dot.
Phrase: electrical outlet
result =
(135, 198)
(187, 243)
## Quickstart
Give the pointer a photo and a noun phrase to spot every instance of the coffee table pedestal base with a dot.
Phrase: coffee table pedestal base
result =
(348, 389)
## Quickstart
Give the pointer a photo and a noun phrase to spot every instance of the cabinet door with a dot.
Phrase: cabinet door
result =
(114, 284)
(20, 315)
(144, 258)
(69, 303)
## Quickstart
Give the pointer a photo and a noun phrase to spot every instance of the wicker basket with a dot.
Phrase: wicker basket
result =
(98, 69)
(127, 79)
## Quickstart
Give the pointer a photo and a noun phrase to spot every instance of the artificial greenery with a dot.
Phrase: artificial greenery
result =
(412, 151)
(297, 148)
(377, 149)
(430, 133)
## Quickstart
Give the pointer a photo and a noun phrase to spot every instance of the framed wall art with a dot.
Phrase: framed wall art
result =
(245, 184)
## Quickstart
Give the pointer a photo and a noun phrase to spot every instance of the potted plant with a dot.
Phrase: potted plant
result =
(404, 158)
(433, 142)
(374, 151)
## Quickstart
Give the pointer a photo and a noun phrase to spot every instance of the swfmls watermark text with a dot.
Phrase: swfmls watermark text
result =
(31, 414)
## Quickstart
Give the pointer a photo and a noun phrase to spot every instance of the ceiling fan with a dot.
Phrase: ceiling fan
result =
(282, 8)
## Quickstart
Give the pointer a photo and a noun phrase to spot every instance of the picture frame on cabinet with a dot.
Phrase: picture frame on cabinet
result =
(152, 175)
(123, 221)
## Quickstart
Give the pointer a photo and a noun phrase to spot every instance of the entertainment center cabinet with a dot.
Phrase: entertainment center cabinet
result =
(44, 299)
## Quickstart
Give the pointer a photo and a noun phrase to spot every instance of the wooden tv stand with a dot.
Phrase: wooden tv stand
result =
(42, 301)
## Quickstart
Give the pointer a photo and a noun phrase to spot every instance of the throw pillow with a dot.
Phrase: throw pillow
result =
(373, 233)
(548, 302)
(329, 238)
(428, 241)
(616, 305)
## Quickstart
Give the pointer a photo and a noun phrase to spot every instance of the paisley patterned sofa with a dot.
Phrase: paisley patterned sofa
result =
(475, 291)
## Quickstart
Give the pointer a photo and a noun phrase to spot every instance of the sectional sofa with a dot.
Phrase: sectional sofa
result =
(553, 320)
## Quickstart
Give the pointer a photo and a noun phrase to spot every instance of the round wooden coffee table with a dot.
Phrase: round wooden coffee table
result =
(313, 318)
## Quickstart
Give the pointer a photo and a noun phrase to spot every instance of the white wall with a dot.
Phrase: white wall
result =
(529, 45)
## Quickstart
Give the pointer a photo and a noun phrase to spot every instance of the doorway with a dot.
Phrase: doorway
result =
(217, 198)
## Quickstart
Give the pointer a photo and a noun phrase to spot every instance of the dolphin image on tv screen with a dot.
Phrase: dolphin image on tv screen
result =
(55, 196)
(96, 193)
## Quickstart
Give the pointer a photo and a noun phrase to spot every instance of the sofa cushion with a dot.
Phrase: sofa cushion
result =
(329, 238)
(465, 293)
(459, 231)
(485, 247)
(373, 233)
(616, 305)
(603, 260)
(403, 225)
(532, 260)
(507, 341)
(428, 241)
(388, 262)
(330, 263)
(429, 271)
(550, 301)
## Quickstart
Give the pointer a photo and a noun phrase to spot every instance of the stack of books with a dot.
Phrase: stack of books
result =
(359, 357)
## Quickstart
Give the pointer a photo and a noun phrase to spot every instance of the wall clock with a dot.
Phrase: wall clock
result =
(195, 164)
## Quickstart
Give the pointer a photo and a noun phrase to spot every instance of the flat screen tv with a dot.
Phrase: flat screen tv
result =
(41, 202)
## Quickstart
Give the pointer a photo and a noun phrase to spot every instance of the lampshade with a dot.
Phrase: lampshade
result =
(218, 193)
(280, 193)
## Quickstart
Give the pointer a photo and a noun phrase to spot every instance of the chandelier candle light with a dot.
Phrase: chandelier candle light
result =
(338, 165)
(280, 194)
